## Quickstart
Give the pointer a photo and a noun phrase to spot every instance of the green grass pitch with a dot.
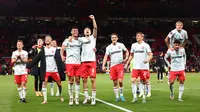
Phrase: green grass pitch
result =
(158, 102)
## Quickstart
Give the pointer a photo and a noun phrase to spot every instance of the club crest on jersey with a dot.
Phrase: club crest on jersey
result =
(119, 47)
(142, 47)
(182, 35)
(52, 51)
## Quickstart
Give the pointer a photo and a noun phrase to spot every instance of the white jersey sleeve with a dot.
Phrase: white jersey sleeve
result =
(66, 42)
(107, 51)
(186, 35)
(123, 47)
(14, 56)
(171, 34)
(148, 49)
(132, 48)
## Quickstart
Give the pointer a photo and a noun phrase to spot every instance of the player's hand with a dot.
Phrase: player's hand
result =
(18, 57)
(145, 61)
(125, 60)
(95, 50)
(172, 49)
(63, 58)
(104, 68)
(91, 17)
(34, 46)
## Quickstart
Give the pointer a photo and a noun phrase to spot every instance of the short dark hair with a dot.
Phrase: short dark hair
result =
(114, 34)
(20, 41)
(74, 27)
(177, 41)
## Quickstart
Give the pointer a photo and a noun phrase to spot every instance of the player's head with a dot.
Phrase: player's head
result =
(87, 31)
(53, 43)
(179, 25)
(139, 36)
(20, 44)
(74, 31)
(40, 42)
(177, 44)
(161, 53)
(48, 40)
(114, 38)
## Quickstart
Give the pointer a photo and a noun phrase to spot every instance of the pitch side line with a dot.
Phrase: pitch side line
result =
(112, 105)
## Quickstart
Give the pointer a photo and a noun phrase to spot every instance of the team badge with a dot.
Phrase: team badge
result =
(119, 47)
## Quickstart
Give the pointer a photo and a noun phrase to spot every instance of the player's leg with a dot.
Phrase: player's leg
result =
(44, 91)
(52, 88)
(120, 74)
(181, 86)
(92, 73)
(93, 98)
(77, 90)
(59, 84)
(56, 78)
(161, 73)
(40, 86)
(36, 78)
(158, 75)
(44, 87)
(71, 75)
(143, 77)
(134, 86)
(147, 83)
(172, 77)
(77, 85)
(113, 77)
(57, 91)
(19, 87)
(70, 89)
(85, 88)
(115, 89)
(140, 87)
(148, 87)
(84, 74)
(24, 81)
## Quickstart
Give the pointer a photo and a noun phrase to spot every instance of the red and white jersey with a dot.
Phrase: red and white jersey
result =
(88, 53)
(176, 35)
(19, 66)
(140, 54)
(116, 53)
(51, 65)
(178, 59)
(73, 50)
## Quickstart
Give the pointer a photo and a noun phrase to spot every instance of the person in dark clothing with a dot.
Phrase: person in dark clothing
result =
(35, 71)
(160, 64)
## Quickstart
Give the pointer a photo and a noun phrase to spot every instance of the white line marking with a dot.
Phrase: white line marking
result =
(112, 105)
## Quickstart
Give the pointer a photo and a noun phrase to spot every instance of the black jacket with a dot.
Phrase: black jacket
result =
(160, 62)
(41, 57)
(32, 53)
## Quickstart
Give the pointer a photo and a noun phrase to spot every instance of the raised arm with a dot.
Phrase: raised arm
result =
(94, 25)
